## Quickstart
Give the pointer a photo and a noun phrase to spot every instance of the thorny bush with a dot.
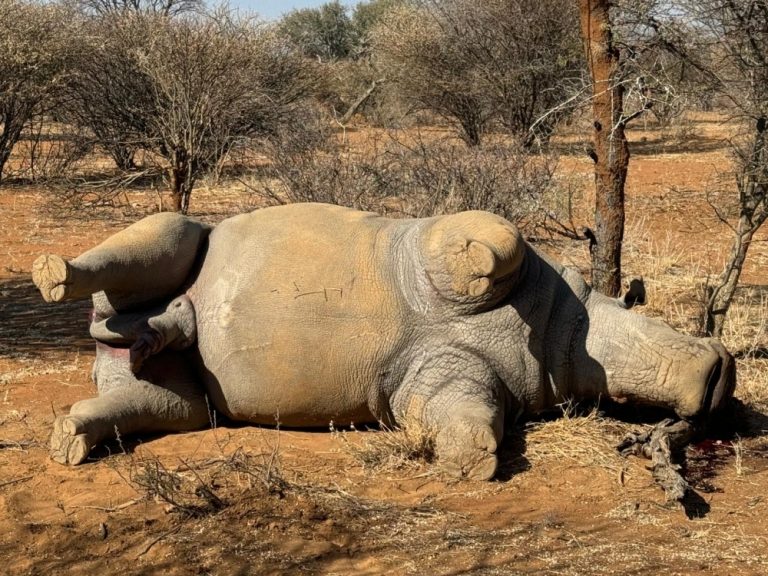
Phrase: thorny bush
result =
(420, 177)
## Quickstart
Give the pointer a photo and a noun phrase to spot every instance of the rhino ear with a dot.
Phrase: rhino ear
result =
(467, 254)
(635, 296)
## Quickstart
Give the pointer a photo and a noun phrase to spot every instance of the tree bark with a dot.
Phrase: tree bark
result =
(123, 156)
(4, 155)
(719, 297)
(182, 181)
(611, 152)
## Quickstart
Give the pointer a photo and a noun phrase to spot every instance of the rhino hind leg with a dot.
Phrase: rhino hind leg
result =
(163, 397)
(459, 398)
(147, 261)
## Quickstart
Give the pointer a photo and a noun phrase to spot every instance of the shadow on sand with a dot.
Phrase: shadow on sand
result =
(30, 327)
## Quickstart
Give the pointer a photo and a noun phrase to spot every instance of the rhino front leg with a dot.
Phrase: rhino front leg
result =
(148, 260)
(163, 397)
(457, 396)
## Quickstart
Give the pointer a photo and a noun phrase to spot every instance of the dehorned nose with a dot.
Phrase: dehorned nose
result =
(722, 381)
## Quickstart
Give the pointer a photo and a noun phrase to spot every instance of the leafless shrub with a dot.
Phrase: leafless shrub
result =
(199, 488)
(187, 494)
(87, 197)
(358, 86)
(34, 56)
(424, 178)
(107, 98)
(309, 165)
(654, 79)
(48, 151)
(185, 91)
(726, 43)
(479, 63)
(445, 177)
(160, 7)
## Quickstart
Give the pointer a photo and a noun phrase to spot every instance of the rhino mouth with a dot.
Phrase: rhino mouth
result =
(720, 385)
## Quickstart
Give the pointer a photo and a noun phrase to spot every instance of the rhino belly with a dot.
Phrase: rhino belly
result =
(305, 379)
(301, 331)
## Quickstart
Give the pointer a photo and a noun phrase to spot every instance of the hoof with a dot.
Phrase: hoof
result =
(50, 275)
(468, 450)
(68, 446)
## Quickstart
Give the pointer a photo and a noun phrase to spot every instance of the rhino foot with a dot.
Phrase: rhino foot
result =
(69, 445)
(467, 449)
(50, 274)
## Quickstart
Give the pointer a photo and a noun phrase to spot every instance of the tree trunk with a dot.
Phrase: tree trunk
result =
(5, 153)
(123, 157)
(359, 102)
(471, 131)
(719, 297)
(611, 153)
(182, 180)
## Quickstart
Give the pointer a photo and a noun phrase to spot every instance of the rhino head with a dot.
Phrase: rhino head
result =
(561, 338)
(633, 358)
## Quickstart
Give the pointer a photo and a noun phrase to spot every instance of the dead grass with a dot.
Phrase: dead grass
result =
(410, 445)
(581, 438)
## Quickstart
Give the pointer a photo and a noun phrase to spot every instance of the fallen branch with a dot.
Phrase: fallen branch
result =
(658, 445)
(359, 102)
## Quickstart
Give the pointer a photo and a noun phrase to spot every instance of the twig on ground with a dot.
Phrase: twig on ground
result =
(658, 445)
(15, 481)
(16, 444)
(112, 508)
(149, 546)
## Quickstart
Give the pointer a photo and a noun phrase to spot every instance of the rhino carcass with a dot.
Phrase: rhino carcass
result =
(311, 313)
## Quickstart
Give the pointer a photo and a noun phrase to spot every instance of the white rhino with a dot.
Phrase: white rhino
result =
(310, 313)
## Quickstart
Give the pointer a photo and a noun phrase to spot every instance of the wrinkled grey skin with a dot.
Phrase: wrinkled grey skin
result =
(312, 313)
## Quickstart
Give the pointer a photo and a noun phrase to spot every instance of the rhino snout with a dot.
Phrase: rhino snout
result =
(716, 385)
(721, 382)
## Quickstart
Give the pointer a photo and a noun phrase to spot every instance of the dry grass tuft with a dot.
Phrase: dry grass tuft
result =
(195, 489)
(588, 439)
(746, 336)
(746, 330)
(409, 445)
(673, 278)
(632, 510)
